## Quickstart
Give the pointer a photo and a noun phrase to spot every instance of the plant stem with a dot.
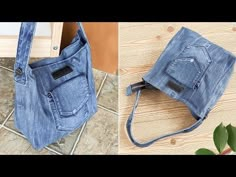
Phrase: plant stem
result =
(227, 151)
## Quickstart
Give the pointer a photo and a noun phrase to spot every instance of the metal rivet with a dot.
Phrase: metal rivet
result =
(18, 71)
(208, 45)
(172, 94)
(197, 85)
(49, 95)
(74, 111)
(55, 48)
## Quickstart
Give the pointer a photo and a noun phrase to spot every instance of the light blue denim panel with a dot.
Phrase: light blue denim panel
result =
(46, 109)
(199, 66)
(191, 69)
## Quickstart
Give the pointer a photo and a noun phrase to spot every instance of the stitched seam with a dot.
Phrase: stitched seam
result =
(59, 106)
(185, 60)
(227, 70)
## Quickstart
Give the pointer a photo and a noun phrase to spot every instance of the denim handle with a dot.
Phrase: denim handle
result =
(81, 28)
(27, 31)
(145, 144)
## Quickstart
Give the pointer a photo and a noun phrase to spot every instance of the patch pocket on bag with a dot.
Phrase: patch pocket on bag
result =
(70, 100)
(189, 67)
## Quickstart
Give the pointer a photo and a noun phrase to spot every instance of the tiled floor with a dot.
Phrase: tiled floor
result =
(97, 136)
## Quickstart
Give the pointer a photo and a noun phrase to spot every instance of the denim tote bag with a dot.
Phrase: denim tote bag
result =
(192, 70)
(54, 96)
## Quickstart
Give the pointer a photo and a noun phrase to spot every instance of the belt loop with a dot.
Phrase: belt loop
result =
(135, 87)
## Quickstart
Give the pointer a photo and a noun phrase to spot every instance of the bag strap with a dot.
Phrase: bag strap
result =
(137, 87)
(25, 40)
(27, 30)
(81, 28)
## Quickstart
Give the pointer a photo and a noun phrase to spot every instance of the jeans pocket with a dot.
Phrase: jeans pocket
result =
(189, 67)
(69, 102)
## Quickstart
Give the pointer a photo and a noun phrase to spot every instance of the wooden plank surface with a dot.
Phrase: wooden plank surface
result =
(140, 46)
(56, 38)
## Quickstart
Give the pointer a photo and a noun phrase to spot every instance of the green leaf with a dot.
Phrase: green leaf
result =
(220, 137)
(232, 137)
(204, 151)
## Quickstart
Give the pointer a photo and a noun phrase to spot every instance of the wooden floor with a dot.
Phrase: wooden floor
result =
(140, 46)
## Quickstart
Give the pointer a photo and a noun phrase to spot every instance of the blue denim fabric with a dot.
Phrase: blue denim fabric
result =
(46, 109)
(199, 71)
